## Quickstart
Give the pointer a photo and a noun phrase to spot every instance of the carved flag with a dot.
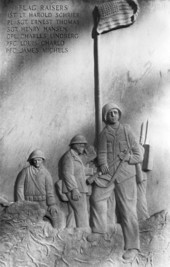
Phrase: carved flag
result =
(116, 14)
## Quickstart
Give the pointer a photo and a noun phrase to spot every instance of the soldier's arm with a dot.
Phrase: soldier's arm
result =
(68, 174)
(50, 194)
(20, 186)
(136, 152)
(102, 153)
(102, 149)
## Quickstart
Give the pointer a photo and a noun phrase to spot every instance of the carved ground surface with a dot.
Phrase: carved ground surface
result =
(27, 241)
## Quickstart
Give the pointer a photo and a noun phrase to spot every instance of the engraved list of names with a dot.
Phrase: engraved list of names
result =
(41, 28)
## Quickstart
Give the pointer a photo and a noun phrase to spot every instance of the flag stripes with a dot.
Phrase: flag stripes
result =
(115, 14)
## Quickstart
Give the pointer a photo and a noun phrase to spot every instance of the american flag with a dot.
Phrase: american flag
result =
(116, 14)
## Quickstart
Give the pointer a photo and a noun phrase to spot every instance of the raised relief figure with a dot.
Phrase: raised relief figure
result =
(34, 183)
(73, 173)
(118, 153)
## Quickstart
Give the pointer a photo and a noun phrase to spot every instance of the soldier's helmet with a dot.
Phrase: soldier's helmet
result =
(36, 154)
(78, 139)
(106, 108)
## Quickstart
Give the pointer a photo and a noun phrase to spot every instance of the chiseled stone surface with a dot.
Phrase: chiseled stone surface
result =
(27, 241)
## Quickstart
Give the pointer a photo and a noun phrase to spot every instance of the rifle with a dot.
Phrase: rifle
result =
(111, 178)
(105, 180)
(148, 154)
(119, 167)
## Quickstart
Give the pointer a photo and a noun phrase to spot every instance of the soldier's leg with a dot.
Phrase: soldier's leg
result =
(99, 208)
(142, 207)
(70, 222)
(80, 210)
(111, 213)
(57, 219)
(126, 197)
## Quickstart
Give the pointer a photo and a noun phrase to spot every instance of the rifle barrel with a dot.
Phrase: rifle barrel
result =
(141, 134)
(146, 132)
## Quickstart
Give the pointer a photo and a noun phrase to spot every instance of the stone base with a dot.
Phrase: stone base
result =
(27, 240)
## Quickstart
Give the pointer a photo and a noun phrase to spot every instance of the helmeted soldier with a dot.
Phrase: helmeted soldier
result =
(34, 183)
(73, 175)
(118, 152)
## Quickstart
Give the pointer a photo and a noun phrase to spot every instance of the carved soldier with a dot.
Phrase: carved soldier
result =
(34, 183)
(118, 152)
(73, 174)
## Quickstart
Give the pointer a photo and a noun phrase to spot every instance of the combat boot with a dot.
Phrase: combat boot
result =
(130, 254)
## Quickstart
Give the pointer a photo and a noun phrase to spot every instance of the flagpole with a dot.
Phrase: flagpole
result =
(107, 16)
(97, 92)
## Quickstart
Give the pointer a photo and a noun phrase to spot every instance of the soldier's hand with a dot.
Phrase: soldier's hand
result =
(75, 194)
(121, 155)
(125, 157)
(104, 169)
(53, 209)
(90, 180)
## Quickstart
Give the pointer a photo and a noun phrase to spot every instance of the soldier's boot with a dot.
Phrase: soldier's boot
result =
(130, 254)
(58, 221)
(54, 222)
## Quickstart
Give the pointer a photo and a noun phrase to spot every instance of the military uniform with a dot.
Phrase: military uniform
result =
(73, 177)
(112, 145)
(142, 206)
(36, 184)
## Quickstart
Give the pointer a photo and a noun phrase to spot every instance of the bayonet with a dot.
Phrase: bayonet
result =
(141, 134)
(146, 131)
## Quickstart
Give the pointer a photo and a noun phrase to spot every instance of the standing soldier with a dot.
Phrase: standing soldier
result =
(73, 174)
(118, 152)
(34, 183)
